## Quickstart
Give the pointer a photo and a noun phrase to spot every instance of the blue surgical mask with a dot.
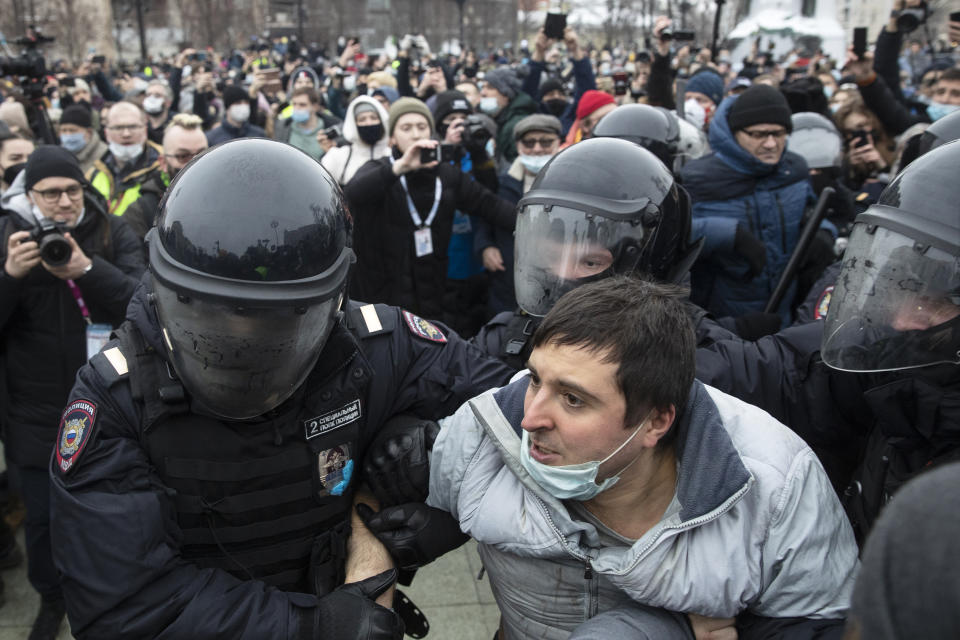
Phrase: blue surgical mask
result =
(828, 91)
(73, 141)
(571, 481)
(937, 110)
(489, 106)
(533, 164)
(300, 115)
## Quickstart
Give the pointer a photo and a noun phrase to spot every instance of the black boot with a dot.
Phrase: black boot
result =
(49, 619)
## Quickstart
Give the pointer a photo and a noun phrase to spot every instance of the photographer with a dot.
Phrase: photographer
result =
(49, 316)
(403, 208)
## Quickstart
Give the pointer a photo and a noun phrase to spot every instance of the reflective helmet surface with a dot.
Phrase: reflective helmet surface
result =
(601, 207)
(816, 139)
(944, 130)
(249, 261)
(896, 304)
(653, 128)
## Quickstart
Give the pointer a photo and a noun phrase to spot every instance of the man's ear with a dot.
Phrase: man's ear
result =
(162, 162)
(658, 424)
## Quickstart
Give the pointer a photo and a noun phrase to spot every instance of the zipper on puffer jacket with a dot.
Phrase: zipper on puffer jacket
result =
(592, 588)
(783, 225)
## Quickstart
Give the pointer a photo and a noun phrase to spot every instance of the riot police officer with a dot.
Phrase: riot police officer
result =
(601, 207)
(880, 399)
(207, 460)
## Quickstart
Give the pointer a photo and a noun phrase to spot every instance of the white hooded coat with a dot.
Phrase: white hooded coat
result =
(343, 162)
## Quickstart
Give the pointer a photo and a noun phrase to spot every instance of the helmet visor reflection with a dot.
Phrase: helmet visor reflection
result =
(894, 306)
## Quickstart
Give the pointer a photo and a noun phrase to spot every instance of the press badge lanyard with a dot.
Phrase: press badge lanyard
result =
(422, 239)
(97, 334)
(78, 296)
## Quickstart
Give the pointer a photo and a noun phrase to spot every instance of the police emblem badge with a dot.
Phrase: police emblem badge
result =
(420, 327)
(335, 468)
(823, 304)
(76, 427)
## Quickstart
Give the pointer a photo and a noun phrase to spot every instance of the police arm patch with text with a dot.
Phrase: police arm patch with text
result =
(76, 428)
(332, 420)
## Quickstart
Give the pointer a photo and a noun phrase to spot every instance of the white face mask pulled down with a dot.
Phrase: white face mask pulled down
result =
(573, 481)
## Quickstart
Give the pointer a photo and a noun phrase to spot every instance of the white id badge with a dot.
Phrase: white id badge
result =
(423, 241)
(97, 336)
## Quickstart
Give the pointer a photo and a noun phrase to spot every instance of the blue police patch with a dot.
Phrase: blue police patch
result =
(76, 427)
(420, 327)
(335, 468)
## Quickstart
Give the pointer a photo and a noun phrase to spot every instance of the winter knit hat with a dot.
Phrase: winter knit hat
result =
(592, 100)
(451, 102)
(404, 106)
(77, 115)
(551, 84)
(51, 161)
(760, 104)
(707, 82)
(504, 80)
(233, 94)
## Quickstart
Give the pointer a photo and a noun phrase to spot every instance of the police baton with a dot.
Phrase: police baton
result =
(800, 251)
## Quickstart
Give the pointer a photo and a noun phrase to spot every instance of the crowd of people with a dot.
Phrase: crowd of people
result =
(719, 300)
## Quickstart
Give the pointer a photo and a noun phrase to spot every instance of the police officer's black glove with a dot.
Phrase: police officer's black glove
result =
(753, 326)
(752, 250)
(413, 533)
(397, 466)
(351, 613)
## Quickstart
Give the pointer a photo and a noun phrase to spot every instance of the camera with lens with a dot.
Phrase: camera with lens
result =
(475, 132)
(55, 250)
(30, 63)
(684, 35)
(910, 18)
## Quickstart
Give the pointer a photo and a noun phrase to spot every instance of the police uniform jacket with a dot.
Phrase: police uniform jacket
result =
(871, 431)
(168, 523)
(42, 328)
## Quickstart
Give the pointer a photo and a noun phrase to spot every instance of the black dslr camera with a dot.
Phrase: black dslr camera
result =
(55, 250)
(475, 133)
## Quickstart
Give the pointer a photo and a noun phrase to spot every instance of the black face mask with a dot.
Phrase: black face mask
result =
(370, 133)
(361, 89)
(11, 172)
(556, 106)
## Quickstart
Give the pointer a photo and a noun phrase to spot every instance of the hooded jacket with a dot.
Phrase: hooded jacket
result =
(731, 187)
(42, 332)
(754, 526)
(343, 162)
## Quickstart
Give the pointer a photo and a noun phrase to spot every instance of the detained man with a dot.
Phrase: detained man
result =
(612, 495)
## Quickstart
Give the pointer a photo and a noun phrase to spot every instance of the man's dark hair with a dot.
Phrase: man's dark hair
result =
(312, 94)
(952, 74)
(641, 326)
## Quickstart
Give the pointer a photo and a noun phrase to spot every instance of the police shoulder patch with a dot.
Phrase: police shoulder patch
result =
(76, 428)
(422, 328)
(823, 304)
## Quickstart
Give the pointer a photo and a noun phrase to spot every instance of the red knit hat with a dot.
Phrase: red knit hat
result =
(592, 100)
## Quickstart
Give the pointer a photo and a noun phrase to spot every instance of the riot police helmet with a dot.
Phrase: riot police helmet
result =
(816, 138)
(653, 128)
(601, 207)
(944, 130)
(896, 304)
(248, 261)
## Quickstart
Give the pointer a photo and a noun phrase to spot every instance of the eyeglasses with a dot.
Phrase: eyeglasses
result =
(545, 143)
(52, 196)
(777, 134)
(858, 133)
(184, 157)
(125, 127)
